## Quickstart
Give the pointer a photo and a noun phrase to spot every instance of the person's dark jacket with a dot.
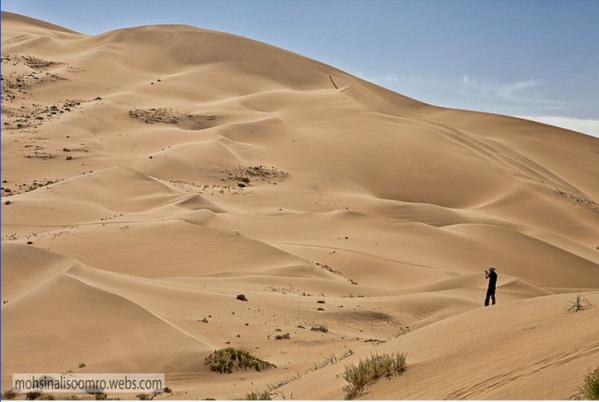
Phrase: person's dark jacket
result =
(492, 279)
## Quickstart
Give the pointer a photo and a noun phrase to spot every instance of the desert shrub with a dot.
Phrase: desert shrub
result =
(98, 395)
(590, 387)
(36, 62)
(9, 394)
(368, 371)
(228, 360)
(580, 303)
(242, 298)
(283, 336)
(319, 328)
(33, 395)
(258, 396)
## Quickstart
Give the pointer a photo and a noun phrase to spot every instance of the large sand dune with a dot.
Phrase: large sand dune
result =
(152, 174)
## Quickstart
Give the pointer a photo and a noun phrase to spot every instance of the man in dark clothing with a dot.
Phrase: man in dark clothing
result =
(491, 275)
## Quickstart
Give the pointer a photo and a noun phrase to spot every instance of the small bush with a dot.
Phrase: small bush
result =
(81, 365)
(580, 303)
(320, 328)
(9, 394)
(368, 371)
(33, 395)
(283, 336)
(242, 298)
(230, 359)
(590, 387)
(258, 396)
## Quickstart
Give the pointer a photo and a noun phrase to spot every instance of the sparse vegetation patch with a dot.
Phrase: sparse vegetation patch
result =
(155, 115)
(29, 60)
(369, 370)
(258, 396)
(319, 328)
(590, 387)
(15, 84)
(33, 115)
(230, 359)
(170, 116)
(582, 201)
(244, 175)
(578, 304)
(283, 336)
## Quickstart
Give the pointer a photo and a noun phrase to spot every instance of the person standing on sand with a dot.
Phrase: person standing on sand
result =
(491, 275)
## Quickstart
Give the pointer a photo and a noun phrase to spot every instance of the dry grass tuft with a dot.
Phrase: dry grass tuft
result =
(258, 396)
(590, 388)
(368, 371)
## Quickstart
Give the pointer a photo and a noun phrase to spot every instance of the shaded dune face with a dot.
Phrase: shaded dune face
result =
(153, 174)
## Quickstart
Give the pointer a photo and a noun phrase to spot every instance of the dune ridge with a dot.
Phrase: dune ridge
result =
(152, 174)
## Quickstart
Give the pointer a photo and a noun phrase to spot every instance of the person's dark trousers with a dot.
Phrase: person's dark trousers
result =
(490, 295)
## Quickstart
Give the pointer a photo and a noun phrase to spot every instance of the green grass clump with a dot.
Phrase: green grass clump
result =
(368, 371)
(258, 396)
(230, 359)
(590, 387)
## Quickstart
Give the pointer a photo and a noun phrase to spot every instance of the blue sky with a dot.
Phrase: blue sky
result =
(538, 59)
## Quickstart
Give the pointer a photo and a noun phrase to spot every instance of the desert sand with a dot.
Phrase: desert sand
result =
(152, 174)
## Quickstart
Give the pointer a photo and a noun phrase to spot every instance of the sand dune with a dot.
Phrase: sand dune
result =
(151, 174)
(506, 353)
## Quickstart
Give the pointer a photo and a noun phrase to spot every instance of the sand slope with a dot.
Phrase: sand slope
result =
(154, 173)
(506, 353)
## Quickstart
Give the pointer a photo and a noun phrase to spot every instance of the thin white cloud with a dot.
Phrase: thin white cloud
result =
(587, 126)
(517, 89)
(517, 92)
(527, 91)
